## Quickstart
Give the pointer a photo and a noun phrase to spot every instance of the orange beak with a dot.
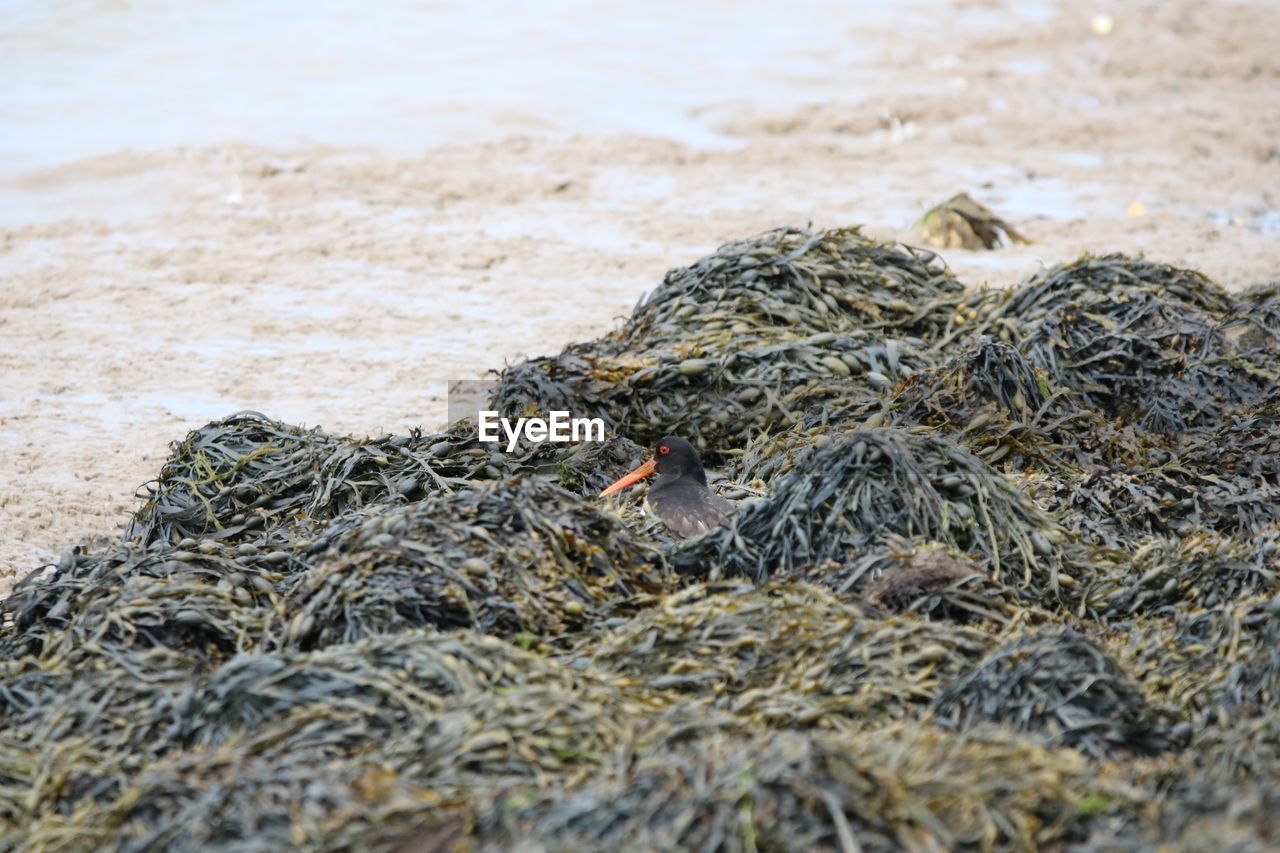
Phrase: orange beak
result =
(634, 476)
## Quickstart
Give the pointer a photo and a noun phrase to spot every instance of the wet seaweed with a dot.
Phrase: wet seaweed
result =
(824, 281)
(1193, 660)
(991, 400)
(962, 223)
(562, 564)
(1165, 576)
(1124, 507)
(429, 703)
(847, 492)
(906, 787)
(1003, 576)
(1139, 340)
(785, 655)
(1062, 685)
(237, 478)
(749, 338)
(214, 599)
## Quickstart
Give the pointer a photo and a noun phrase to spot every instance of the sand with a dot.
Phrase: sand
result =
(147, 293)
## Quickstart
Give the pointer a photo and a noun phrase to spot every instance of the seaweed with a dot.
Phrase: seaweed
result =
(1062, 685)
(962, 223)
(847, 492)
(520, 556)
(1003, 576)
(749, 338)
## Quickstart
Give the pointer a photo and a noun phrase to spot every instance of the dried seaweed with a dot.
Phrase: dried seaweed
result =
(929, 580)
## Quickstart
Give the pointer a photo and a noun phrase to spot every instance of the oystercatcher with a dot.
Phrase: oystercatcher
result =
(679, 496)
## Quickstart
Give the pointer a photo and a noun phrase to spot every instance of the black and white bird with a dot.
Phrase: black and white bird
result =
(679, 496)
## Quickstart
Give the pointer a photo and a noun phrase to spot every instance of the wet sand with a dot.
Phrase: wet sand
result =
(143, 294)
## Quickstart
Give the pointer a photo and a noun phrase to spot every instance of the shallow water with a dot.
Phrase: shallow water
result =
(92, 78)
(89, 78)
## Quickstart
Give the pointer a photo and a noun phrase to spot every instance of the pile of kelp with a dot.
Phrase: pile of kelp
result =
(962, 223)
(1004, 576)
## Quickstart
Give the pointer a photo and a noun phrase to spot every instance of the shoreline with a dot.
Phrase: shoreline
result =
(308, 283)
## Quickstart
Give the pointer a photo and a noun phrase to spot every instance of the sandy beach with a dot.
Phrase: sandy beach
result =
(147, 290)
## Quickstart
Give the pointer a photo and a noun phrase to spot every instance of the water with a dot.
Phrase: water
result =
(85, 78)
(90, 77)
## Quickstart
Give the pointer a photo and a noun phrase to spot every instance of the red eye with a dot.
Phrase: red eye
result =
(663, 449)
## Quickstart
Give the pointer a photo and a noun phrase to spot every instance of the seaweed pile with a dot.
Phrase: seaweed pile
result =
(786, 654)
(1060, 683)
(852, 490)
(748, 338)
(1006, 578)
(563, 565)
(962, 223)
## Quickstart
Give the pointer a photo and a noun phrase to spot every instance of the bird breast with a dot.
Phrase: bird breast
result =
(690, 511)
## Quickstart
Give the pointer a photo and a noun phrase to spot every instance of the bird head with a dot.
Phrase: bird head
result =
(672, 459)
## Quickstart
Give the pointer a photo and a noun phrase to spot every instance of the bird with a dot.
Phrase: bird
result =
(679, 495)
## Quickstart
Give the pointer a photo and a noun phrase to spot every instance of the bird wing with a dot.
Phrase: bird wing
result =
(692, 512)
